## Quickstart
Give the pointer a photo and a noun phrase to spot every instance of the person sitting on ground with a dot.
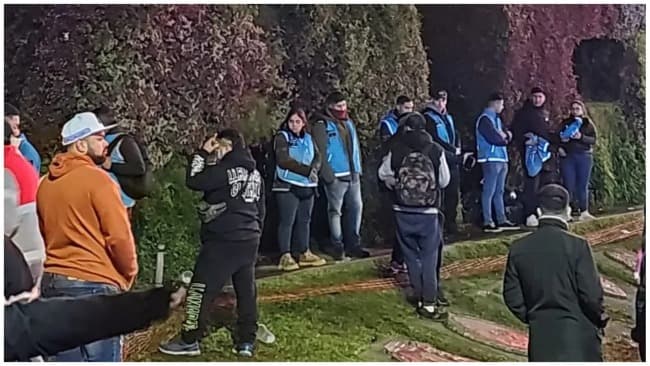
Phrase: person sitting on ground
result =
(12, 117)
(551, 283)
(416, 170)
(296, 179)
(129, 163)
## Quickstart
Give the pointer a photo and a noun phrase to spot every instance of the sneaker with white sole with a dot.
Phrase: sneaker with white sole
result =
(508, 226)
(531, 221)
(178, 347)
(309, 259)
(287, 263)
(585, 215)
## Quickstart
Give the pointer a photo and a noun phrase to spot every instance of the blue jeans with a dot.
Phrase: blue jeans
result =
(494, 182)
(576, 173)
(295, 217)
(345, 195)
(106, 350)
(420, 238)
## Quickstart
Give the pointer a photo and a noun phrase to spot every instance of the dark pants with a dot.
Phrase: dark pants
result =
(295, 217)
(105, 350)
(450, 199)
(386, 221)
(419, 236)
(216, 263)
(576, 173)
(532, 186)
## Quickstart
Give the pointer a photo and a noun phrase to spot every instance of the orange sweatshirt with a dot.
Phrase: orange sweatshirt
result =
(85, 226)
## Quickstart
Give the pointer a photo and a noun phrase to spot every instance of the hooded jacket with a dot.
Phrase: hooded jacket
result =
(85, 226)
(531, 119)
(21, 220)
(236, 182)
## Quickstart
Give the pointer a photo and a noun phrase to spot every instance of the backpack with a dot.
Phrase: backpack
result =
(136, 187)
(417, 181)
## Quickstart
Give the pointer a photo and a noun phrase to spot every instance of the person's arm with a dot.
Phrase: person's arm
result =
(134, 164)
(30, 153)
(49, 326)
(320, 138)
(201, 177)
(431, 128)
(317, 161)
(513, 296)
(384, 133)
(385, 171)
(285, 161)
(491, 134)
(588, 135)
(590, 291)
(11, 204)
(116, 228)
(261, 205)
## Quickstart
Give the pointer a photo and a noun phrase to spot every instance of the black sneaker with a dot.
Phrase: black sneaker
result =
(177, 347)
(359, 253)
(508, 226)
(442, 301)
(437, 315)
(491, 228)
(244, 349)
(335, 253)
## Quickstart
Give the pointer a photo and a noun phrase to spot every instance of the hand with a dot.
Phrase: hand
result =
(210, 145)
(177, 298)
(577, 135)
(562, 152)
(503, 134)
(313, 175)
(223, 150)
(509, 135)
(25, 297)
(458, 151)
(530, 142)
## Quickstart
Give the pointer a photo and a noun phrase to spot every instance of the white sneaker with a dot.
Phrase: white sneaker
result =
(531, 221)
(585, 215)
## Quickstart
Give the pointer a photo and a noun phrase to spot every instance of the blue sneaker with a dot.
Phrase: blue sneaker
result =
(177, 347)
(244, 349)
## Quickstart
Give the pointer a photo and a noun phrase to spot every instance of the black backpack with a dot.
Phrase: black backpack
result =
(417, 181)
(136, 187)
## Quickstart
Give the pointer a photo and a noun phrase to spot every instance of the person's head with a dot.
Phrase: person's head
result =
(554, 201)
(105, 115)
(578, 109)
(234, 136)
(537, 96)
(84, 135)
(12, 117)
(439, 100)
(496, 102)
(413, 121)
(404, 105)
(296, 120)
(337, 105)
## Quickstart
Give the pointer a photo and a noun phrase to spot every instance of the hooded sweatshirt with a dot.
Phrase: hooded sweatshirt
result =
(531, 119)
(85, 226)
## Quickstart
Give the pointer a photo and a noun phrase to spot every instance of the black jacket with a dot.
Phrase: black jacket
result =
(18, 278)
(453, 160)
(235, 181)
(531, 119)
(586, 142)
(551, 283)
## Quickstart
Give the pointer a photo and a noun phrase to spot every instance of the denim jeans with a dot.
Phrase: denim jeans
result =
(295, 217)
(576, 173)
(421, 241)
(494, 181)
(105, 350)
(344, 195)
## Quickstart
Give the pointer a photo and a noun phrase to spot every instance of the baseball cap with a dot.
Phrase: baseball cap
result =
(81, 126)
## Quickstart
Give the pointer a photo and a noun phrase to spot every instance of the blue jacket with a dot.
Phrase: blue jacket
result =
(117, 158)
(486, 151)
(441, 127)
(571, 129)
(337, 155)
(390, 121)
(536, 155)
(301, 149)
(29, 152)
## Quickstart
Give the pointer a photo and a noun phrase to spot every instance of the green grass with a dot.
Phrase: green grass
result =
(613, 269)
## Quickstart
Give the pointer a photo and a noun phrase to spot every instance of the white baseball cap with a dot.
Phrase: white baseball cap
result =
(81, 126)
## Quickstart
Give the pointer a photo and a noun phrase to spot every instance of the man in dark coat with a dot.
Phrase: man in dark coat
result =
(551, 283)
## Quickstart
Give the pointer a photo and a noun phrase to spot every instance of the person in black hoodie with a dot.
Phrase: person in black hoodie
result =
(232, 216)
(532, 118)
(440, 125)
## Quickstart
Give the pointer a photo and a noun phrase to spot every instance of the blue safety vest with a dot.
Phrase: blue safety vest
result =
(337, 155)
(301, 149)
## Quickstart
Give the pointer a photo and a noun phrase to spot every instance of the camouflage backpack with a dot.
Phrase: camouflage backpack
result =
(417, 181)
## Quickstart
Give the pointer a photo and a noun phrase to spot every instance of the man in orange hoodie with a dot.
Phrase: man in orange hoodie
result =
(88, 240)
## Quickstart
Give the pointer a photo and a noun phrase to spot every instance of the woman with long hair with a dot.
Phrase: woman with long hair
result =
(578, 137)
(296, 178)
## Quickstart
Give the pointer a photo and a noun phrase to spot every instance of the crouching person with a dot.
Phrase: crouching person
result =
(416, 170)
(231, 226)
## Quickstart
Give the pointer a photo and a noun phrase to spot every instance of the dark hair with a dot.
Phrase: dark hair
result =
(7, 133)
(234, 136)
(294, 110)
(553, 198)
(334, 98)
(413, 120)
(11, 110)
(403, 99)
(537, 90)
(105, 115)
(495, 96)
(439, 94)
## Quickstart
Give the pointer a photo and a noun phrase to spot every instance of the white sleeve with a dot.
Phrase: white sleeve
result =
(386, 173)
(443, 172)
(11, 204)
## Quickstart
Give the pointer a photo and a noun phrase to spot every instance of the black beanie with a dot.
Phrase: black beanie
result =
(413, 120)
(495, 96)
(553, 198)
(11, 110)
(334, 98)
(536, 90)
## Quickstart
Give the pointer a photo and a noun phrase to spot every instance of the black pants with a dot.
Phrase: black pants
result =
(532, 185)
(450, 198)
(386, 220)
(216, 263)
